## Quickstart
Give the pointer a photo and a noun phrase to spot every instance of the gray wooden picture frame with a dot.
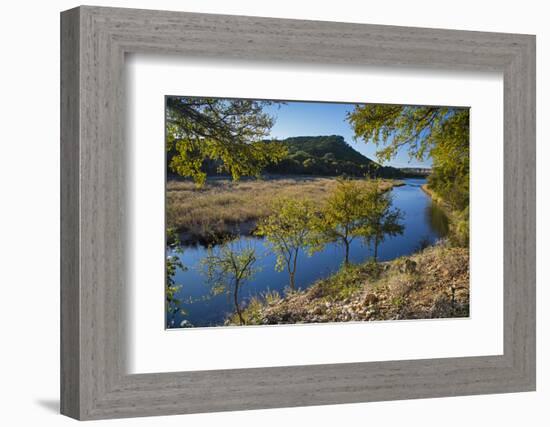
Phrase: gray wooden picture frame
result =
(94, 41)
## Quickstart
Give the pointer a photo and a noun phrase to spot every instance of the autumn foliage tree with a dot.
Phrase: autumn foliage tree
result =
(230, 132)
(357, 209)
(344, 216)
(288, 229)
(382, 219)
(439, 132)
(228, 267)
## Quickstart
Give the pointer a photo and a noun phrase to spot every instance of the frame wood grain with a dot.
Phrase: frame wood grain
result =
(94, 41)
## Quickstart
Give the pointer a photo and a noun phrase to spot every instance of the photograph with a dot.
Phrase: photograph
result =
(292, 212)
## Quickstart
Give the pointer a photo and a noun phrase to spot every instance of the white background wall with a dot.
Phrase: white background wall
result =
(29, 213)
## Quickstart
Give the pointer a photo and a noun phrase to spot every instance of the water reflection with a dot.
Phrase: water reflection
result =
(438, 219)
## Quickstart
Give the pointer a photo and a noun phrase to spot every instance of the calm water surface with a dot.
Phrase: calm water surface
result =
(424, 224)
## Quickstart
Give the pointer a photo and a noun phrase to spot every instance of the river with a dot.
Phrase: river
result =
(424, 223)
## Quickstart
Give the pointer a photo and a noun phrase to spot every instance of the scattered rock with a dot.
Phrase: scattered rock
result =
(318, 310)
(370, 299)
(409, 266)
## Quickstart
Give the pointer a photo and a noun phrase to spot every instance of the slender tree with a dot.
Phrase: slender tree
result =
(344, 216)
(228, 268)
(382, 220)
(288, 229)
(230, 132)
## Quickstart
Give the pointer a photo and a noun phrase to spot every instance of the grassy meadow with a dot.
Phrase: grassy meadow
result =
(223, 206)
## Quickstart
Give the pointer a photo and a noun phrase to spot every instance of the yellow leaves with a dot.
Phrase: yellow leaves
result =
(289, 228)
(358, 209)
(417, 127)
(439, 132)
(230, 132)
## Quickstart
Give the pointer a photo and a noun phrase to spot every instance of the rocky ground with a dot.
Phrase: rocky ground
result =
(433, 283)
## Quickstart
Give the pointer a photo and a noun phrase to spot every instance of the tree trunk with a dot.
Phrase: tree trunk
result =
(290, 272)
(292, 284)
(375, 249)
(293, 272)
(236, 300)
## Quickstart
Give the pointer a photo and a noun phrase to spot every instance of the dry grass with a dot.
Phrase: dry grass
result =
(437, 287)
(226, 207)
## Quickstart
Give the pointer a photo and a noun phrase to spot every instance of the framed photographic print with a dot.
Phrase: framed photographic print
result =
(261, 213)
(315, 231)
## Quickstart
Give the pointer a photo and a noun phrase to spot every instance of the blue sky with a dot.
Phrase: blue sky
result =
(323, 118)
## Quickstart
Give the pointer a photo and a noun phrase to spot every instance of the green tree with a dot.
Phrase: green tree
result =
(450, 177)
(300, 156)
(288, 229)
(439, 132)
(173, 264)
(230, 132)
(311, 165)
(344, 216)
(228, 268)
(373, 170)
(329, 157)
(381, 218)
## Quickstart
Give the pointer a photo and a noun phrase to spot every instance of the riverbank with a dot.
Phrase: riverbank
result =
(435, 198)
(459, 221)
(224, 207)
(433, 283)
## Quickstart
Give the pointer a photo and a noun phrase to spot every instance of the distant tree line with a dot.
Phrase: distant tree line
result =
(307, 155)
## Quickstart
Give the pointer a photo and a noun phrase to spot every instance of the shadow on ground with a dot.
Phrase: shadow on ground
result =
(51, 405)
